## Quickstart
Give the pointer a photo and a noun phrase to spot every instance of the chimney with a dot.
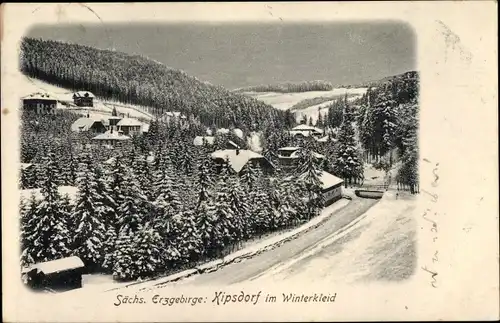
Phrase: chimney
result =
(237, 151)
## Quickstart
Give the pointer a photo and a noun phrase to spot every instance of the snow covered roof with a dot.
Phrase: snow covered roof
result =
(59, 265)
(198, 140)
(238, 133)
(295, 154)
(237, 158)
(304, 127)
(129, 122)
(111, 135)
(63, 190)
(83, 94)
(289, 148)
(145, 127)
(327, 180)
(322, 139)
(25, 165)
(84, 123)
(40, 96)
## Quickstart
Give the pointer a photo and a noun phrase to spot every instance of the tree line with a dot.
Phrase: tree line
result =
(289, 87)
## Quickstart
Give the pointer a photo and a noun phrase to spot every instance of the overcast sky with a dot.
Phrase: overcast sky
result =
(237, 55)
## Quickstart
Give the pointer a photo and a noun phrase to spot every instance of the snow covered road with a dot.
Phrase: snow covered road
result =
(253, 267)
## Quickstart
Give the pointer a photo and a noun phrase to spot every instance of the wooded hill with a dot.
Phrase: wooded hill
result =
(138, 80)
(411, 76)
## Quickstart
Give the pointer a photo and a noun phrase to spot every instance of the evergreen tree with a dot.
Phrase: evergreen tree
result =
(50, 239)
(204, 181)
(133, 211)
(310, 175)
(207, 227)
(148, 248)
(348, 164)
(88, 215)
(224, 212)
(28, 225)
(123, 268)
(190, 244)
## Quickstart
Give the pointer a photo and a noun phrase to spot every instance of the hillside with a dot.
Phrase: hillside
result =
(411, 76)
(137, 80)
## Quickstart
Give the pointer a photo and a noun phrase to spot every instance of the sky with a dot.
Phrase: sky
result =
(238, 55)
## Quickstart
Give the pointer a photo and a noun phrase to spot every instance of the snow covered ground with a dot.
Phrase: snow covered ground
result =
(380, 245)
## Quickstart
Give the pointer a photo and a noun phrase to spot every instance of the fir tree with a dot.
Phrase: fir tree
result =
(28, 225)
(133, 211)
(310, 175)
(190, 244)
(50, 239)
(206, 223)
(148, 248)
(348, 164)
(88, 215)
(204, 181)
(224, 212)
(123, 268)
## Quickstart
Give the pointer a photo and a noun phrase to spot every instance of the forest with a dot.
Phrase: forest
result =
(289, 87)
(141, 81)
(137, 218)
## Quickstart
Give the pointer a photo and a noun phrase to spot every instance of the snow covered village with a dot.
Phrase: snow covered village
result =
(133, 173)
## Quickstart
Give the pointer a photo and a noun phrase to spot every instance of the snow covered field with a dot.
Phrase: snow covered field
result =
(284, 101)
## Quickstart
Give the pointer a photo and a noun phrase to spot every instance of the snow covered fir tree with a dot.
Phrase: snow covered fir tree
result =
(158, 203)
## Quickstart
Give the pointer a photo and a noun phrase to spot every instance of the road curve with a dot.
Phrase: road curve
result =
(253, 267)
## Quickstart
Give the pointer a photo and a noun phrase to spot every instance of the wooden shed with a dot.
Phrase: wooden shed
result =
(59, 275)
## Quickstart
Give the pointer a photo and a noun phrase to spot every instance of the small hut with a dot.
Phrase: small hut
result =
(60, 275)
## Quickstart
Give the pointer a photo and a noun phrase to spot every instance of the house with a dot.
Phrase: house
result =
(289, 156)
(238, 158)
(111, 139)
(303, 131)
(59, 275)
(198, 140)
(331, 187)
(83, 99)
(89, 124)
(41, 103)
(130, 126)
